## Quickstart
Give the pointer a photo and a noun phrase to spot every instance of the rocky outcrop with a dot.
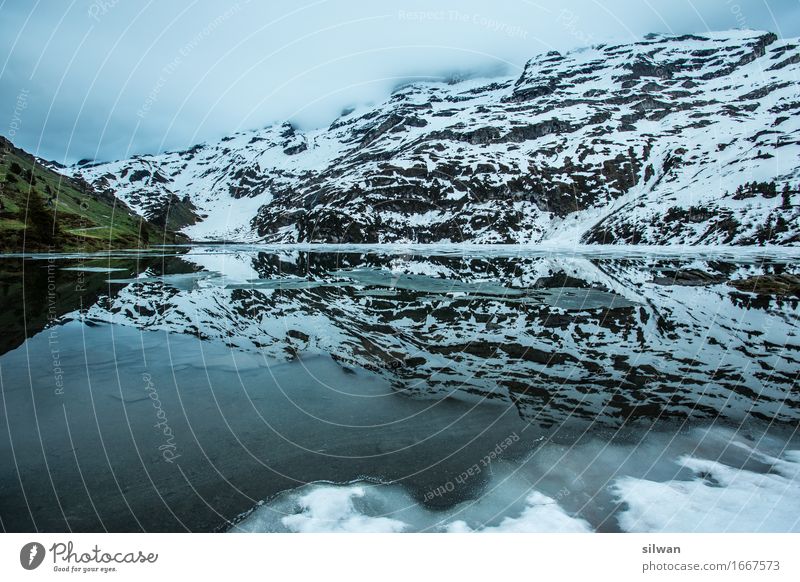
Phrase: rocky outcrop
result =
(646, 143)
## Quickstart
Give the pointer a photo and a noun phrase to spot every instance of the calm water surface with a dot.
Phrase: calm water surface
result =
(286, 389)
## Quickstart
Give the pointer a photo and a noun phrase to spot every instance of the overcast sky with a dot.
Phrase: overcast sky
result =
(106, 79)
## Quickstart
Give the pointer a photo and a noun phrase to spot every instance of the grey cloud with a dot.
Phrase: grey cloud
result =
(111, 78)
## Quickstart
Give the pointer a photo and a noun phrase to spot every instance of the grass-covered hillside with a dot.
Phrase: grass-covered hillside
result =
(41, 209)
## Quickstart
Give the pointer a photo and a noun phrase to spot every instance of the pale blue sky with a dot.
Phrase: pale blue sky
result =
(111, 78)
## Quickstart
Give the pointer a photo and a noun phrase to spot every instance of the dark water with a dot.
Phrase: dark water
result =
(176, 389)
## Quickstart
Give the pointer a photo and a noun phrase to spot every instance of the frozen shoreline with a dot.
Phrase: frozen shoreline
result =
(450, 249)
(700, 480)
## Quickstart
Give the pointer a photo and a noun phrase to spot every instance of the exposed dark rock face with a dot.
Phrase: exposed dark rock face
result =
(647, 143)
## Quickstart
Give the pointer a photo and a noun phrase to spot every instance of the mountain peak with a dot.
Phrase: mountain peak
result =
(670, 139)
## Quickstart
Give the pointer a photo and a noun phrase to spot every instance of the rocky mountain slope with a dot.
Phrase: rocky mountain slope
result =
(41, 209)
(672, 140)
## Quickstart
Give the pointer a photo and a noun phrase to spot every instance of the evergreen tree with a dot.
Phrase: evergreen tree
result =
(40, 221)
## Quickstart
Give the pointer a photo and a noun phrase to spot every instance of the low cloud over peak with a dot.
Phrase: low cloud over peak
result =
(107, 79)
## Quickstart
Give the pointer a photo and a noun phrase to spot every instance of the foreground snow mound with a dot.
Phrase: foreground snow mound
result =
(369, 508)
(660, 481)
(720, 498)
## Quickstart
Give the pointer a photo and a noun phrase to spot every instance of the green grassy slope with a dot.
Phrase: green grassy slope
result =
(41, 209)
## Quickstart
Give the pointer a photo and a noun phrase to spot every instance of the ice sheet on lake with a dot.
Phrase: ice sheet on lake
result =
(179, 281)
(719, 499)
(95, 269)
(595, 251)
(368, 508)
(745, 488)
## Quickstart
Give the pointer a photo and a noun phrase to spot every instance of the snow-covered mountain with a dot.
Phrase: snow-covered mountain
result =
(689, 139)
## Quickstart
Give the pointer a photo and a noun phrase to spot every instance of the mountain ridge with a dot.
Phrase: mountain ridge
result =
(689, 139)
(41, 209)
